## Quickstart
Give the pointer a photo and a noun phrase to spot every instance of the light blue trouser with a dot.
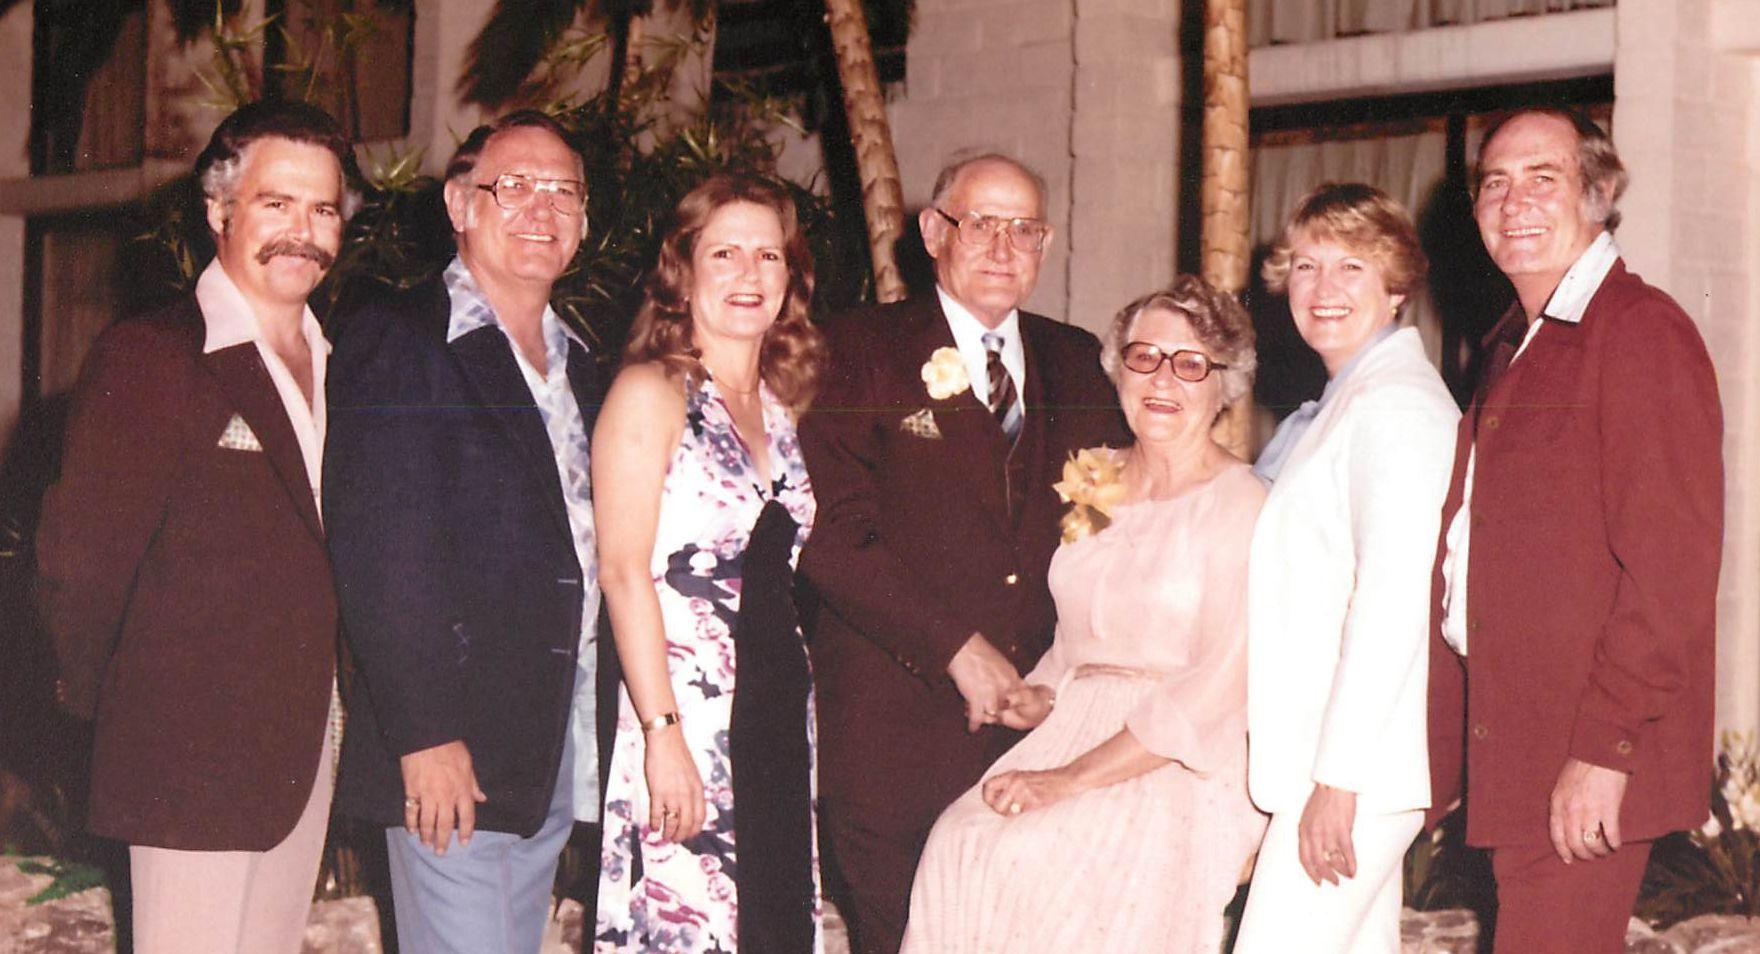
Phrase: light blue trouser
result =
(490, 897)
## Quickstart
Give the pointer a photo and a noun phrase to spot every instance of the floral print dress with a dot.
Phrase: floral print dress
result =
(654, 895)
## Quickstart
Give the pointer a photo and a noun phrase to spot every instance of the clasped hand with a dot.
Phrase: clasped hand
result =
(989, 682)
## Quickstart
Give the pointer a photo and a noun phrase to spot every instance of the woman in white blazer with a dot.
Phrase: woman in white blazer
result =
(1339, 587)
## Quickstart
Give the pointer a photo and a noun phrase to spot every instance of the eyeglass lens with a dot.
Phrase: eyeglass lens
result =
(1187, 365)
(516, 192)
(1025, 235)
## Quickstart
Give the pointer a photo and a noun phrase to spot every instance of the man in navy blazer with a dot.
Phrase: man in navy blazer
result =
(462, 541)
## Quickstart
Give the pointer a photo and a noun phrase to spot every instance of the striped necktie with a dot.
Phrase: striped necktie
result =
(1003, 403)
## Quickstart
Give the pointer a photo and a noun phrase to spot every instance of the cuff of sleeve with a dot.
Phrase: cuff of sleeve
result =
(1602, 743)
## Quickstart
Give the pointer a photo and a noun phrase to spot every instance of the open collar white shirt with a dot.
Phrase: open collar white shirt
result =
(1569, 302)
(231, 321)
(968, 337)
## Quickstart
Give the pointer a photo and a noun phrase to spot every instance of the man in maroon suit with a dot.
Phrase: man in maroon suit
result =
(182, 561)
(1576, 577)
(943, 423)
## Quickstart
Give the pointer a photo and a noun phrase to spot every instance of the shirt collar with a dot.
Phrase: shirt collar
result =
(229, 318)
(1572, 296)
(470, 310)
(967, 328)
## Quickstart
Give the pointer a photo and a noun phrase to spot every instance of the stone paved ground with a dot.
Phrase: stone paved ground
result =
(81, 924)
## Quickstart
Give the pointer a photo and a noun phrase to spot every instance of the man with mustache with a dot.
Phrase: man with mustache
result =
(182, 559)
(1575, 585)
(463, 539)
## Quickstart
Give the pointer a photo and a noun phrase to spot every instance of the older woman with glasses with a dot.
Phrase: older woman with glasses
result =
(1121, 823)
(1340, 587)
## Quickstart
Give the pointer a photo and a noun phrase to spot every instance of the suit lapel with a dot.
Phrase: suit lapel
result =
(967, 427)
(486, 357)
(249, 390)
(1027, 459)
(586, 380)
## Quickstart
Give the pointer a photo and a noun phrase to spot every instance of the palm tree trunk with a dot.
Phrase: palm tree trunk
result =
(871, 135)
(1223, 188)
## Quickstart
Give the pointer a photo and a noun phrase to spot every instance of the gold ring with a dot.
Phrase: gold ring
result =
(412, 803)
(1591, 835)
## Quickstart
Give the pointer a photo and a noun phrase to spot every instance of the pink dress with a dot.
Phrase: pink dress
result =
(1152, 637)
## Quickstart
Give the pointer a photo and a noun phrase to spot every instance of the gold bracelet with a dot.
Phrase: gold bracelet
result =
(660, 722)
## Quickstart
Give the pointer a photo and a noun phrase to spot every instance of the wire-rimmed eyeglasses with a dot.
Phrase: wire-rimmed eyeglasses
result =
(1026, 235)
(1145, 358)
(514, 192)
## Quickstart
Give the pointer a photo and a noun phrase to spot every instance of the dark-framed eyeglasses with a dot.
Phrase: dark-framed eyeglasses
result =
(1026, 235)
(514, 192)
(1145, 358)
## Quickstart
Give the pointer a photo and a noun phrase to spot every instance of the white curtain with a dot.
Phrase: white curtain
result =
(1307, 21)
(1408, 168)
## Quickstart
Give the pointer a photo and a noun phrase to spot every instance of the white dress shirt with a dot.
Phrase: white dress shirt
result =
(231, 321)
(1568, 303)
(968, 337)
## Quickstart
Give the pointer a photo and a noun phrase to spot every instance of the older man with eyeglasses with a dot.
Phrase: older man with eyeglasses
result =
(933, 447)
(463, 544)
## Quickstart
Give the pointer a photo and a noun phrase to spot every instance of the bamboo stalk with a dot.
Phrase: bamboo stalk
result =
(871, 135)
(1223, 188)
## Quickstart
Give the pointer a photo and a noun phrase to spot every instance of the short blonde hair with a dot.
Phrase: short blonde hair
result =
(1217, 319)
(1361, 218)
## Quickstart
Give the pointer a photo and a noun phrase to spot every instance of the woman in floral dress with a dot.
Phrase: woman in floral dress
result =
(702, 503)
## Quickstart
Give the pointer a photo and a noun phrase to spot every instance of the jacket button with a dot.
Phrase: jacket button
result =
(1480, 731)
(1011, 579)
(1491, 423)
(1624, 747)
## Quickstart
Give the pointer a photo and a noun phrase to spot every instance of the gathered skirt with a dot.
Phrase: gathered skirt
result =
(1147, 864)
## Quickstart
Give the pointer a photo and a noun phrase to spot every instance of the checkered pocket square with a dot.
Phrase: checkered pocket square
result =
(239, 436)
(921, 424)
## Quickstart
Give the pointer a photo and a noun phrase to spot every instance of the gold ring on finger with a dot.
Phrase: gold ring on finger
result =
(410, 803)
(1591, 835)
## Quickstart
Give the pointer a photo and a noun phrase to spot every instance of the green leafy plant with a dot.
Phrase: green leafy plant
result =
(70, 877)
(1714, 869)
(641, 158)
(1442, 871)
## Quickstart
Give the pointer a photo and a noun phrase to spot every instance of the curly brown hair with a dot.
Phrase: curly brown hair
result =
(1217, 319)
(1361, 218)
(793, 353)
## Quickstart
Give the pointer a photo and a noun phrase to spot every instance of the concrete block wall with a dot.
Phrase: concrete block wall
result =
(1687, 122)
(1125, 145)
(999, 75)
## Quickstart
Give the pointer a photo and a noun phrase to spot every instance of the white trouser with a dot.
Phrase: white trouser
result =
(1288, 912)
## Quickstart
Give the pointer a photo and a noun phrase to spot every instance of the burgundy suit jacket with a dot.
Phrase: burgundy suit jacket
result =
(1596, 537)
(188, 592)
(921, 541)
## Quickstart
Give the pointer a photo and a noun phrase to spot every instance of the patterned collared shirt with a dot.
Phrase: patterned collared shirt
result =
(568, 443)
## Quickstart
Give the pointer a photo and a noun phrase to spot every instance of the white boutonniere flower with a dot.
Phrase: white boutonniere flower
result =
(1092, 484)
(945, 374)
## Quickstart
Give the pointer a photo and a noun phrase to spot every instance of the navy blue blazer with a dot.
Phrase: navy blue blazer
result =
(456, 575)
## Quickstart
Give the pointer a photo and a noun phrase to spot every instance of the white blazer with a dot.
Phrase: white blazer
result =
(1338, 602)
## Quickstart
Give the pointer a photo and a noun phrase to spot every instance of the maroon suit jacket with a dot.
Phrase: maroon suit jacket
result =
(921, 541)
(188, 592)
(1592, 577)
